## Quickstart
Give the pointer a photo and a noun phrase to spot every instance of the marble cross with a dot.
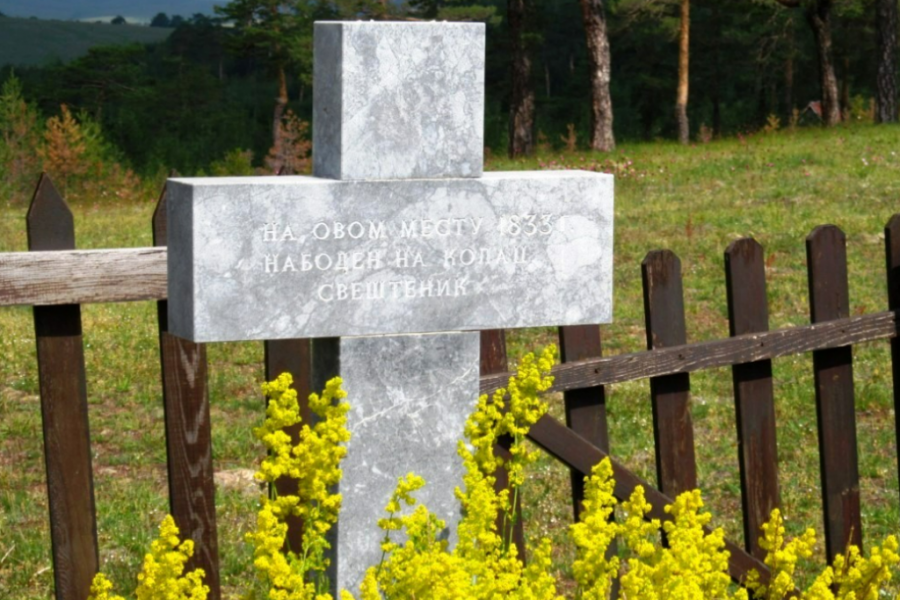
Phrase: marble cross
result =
(400, 246)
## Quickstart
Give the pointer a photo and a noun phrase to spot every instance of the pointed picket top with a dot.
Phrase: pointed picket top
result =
(745, 287)
(663, 299)
(826, 255)
(49, 220)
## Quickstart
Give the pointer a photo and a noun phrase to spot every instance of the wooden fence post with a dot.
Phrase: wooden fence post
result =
(294, 357)
(64, 412)
(585, 408)
(892, 252)
(748, 312)
(494, 360)
(192, 494)
(673, 431)
(829, 299)
(586, 412)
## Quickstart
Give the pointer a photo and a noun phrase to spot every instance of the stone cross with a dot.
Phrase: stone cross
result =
(401, 246)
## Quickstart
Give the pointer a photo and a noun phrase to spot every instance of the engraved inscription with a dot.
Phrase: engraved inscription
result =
(297, 249)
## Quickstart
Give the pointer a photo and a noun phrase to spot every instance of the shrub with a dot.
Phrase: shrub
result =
(693, 562)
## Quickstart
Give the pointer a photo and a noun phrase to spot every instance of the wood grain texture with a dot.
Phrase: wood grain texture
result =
(673, 430)
(745, 277)
(82, 276)
(829, 298)
(717, 353)
(577, 453)
(192, 494)
(64, 412)
(892, 260)
(493, 360)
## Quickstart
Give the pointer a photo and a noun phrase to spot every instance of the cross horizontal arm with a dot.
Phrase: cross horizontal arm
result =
(287, 257)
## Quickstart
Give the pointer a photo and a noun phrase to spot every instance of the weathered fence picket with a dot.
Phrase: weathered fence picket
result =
(829, 299)
(673, 430)
(585, 411)
(494, 360)
(139, 274)
(192, 494)
(892, 254)
(745, 277)
(67, 441)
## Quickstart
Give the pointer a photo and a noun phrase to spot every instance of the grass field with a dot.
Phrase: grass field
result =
(36, 42)
(693, 200)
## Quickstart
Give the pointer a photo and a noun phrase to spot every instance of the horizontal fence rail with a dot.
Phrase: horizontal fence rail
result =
(56, 279)
(82, 276)
(697, 356)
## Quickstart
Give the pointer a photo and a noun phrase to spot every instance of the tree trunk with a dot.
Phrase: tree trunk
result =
(521, 108)
(886, 110)
(716, 95)
(681, 101)
(789, 78)
(819, 17)
(277, 160)
(599, 60)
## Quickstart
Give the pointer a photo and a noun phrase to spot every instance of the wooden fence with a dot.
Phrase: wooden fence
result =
(56, 279)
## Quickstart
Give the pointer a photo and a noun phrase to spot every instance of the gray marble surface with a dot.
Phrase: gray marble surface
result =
(399, 233)
(409, 397)
(284, 257)
(398, 100)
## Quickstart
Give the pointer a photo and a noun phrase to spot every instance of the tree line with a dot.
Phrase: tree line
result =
(570, 73)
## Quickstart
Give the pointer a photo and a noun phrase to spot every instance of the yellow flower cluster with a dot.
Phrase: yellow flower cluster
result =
(162, 575)
(693, 563)
(314, 464)
(592, 536)
(482, 565)
(851, 577)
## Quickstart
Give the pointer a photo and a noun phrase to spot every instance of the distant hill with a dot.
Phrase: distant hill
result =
(29, 42)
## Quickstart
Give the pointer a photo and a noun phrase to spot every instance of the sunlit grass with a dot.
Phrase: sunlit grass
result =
(693, 201)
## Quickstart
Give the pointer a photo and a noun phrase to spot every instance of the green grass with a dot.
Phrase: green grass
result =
(36, 42)
(692, 200)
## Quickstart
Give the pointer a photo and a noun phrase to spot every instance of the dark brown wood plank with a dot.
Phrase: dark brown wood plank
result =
(718, 353)
(577, 453)
(829, 298)
(494, 360)
(892, 255)
(585, 408)
(294, 357)
(745, 276)
(673, 430)
(64, 412)
(82, 276)
(192, 494)
(586, 412)
(326, 364)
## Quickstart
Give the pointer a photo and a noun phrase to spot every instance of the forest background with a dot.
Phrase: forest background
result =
(226, 91)
(110, 124)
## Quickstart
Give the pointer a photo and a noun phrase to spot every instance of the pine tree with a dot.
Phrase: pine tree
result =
(64, 150)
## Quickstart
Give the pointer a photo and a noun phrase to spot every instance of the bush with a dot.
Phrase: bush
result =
(693, 562)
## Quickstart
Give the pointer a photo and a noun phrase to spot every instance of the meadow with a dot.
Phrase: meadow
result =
(774, 186)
